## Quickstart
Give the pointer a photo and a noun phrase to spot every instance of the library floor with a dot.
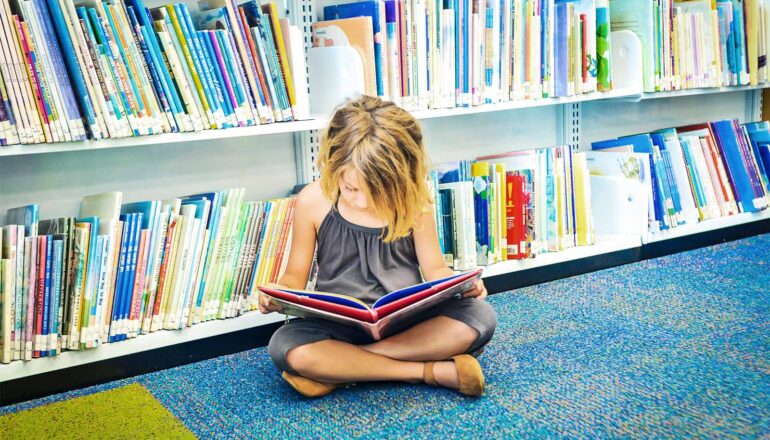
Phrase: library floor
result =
(674, 347)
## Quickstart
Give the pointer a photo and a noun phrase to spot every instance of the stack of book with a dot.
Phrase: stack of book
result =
(512, 206)
(692, 173)
(114, 68)
(698, 43)
(121, 270)
(437, 54)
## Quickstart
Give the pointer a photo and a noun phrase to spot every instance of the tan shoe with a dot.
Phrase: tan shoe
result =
(469, 374)
(309, 387)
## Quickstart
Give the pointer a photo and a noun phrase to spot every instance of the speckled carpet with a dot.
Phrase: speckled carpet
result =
(672, 347)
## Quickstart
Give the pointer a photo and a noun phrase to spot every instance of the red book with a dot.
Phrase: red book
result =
(164, 265)
(387, 312)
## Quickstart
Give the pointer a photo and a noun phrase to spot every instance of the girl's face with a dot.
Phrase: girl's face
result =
(353, 191)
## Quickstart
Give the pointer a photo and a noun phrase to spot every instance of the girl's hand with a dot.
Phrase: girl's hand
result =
(265, 306)
(478, 290)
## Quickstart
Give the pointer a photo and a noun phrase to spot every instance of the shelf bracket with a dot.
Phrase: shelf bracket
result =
(569, 125)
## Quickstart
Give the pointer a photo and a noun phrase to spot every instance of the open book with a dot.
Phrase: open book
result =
(387, 312)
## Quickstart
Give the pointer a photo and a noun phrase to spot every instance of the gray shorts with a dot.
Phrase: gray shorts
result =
(476, 313)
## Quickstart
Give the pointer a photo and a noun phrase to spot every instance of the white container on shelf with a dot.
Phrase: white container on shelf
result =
(336, 74)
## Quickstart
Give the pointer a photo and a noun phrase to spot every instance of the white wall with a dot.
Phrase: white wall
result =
(264, 165)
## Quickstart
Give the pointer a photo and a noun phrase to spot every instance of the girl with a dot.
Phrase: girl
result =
(369, 220)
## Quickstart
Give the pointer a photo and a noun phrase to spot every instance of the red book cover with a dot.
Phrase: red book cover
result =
(510, 216)
(521, 214)
(164, 265)
(138, 290)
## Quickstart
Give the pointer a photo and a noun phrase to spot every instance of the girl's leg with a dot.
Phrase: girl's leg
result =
(332, 361)
(435, 339)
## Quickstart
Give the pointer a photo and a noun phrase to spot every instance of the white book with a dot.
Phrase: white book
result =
(9, 248)
(187, 215)
(157, 259)
(6, 305)
(28, 123)
(60, 125)
(463, 224)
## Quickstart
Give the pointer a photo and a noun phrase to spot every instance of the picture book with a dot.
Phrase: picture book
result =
(386, 313)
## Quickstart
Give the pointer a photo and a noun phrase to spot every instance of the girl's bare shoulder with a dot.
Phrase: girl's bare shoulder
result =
(312, 202)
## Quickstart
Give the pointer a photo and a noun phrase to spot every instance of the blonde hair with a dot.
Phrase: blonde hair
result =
(383, 143)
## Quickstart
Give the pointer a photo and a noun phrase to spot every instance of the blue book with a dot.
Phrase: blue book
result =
(150, 211)
(212, 224)
(133, 256)
(561, 50)
(56, 292)
(96, 30)
(759, 134)
(121, 57)
(157, 80)
(375, 10)
(120, 277)
(183, 16)
(219, 74)
(70, 110)
(667, 178)
(699, 190)
(142, 16)
(28, 216)
(745, 192)
(72, 65)
(481, 211)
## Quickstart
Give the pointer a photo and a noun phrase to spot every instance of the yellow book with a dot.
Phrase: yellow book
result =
(561, 205)
(751, 13)
(272, 11)
(583, 217)
(501, 210)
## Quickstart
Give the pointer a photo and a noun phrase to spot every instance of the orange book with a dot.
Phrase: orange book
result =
(356, 32)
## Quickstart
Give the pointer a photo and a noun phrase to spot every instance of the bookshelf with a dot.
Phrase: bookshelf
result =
(270, 159)
(318, 122)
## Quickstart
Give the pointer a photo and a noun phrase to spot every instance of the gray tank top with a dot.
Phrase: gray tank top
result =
(353, 260)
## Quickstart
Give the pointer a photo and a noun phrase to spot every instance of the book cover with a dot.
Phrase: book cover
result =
(388, 312)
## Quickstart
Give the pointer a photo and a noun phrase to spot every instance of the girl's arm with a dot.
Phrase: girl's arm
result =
(302, 244)
(429, 255)
(431, 260)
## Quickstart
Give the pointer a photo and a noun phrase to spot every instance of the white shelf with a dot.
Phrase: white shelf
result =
(159, 339)
(319, 121)
(522, 104)
(166, 138)
(708, 225)
(604, 245)
(689, 92)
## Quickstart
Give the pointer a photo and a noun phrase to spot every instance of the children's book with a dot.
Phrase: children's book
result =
(387, 312)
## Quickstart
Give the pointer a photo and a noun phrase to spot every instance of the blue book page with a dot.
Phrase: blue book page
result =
(333, 298)
(411, 290)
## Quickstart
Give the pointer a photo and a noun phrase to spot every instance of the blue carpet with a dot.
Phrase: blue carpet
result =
(672, 347)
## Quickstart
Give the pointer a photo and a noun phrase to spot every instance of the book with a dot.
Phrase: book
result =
(386, 313)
